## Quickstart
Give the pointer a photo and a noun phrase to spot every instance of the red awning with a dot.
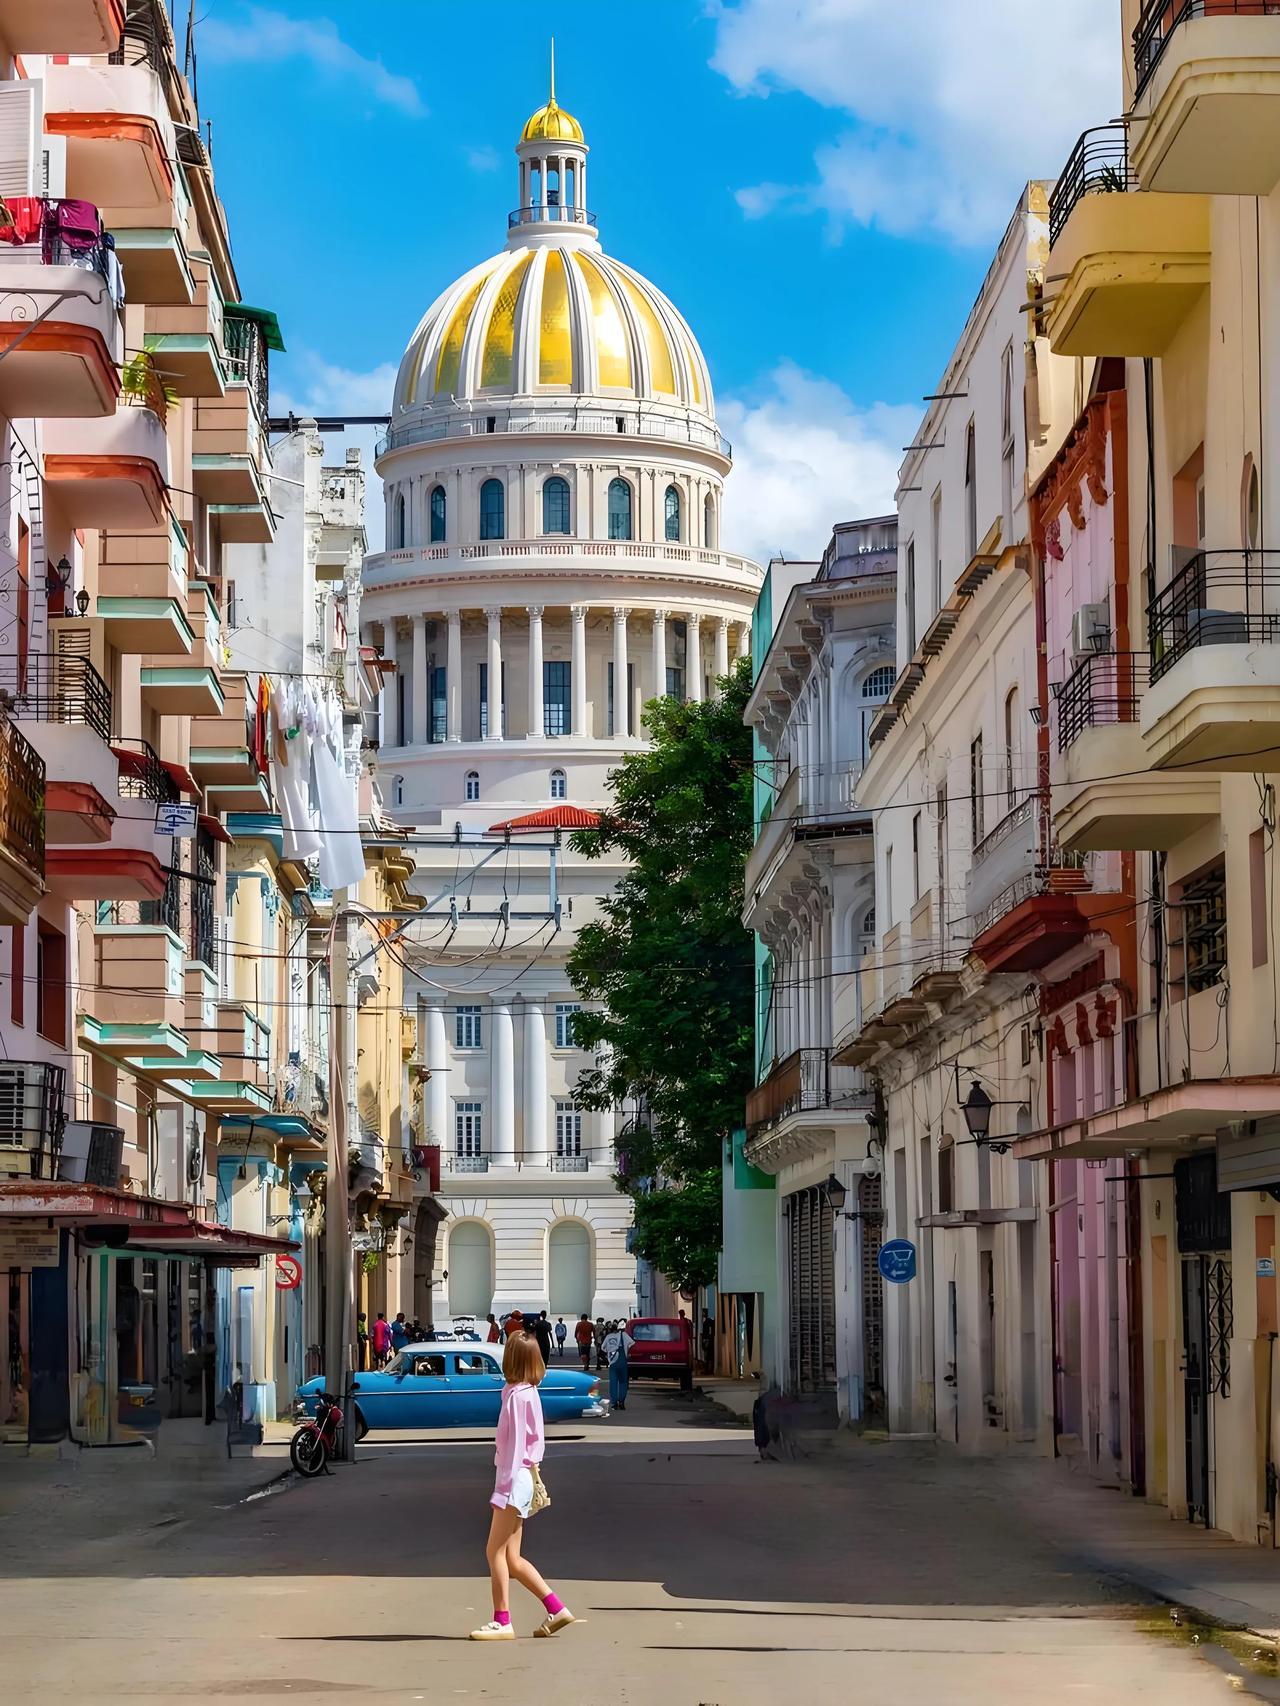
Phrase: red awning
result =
(552, 817)
(151, 1223)
(132, 763)
(215, 827)
(181, 775)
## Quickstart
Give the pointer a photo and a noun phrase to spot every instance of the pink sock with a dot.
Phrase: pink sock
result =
(554, 1603)
(503, 1617)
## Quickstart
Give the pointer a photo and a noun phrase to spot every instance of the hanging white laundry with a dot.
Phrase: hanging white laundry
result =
(341, 848)
(291, 768)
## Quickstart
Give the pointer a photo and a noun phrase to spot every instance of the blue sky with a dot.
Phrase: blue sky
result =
(817, 185)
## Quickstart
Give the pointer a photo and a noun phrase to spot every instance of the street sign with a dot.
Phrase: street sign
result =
(23, 1248)
(288, 1273)
(897, 1261)
(177, 820)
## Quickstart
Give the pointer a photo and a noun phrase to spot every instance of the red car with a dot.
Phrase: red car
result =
(662, 1347)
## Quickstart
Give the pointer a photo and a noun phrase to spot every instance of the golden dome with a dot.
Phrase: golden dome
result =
(552, 124)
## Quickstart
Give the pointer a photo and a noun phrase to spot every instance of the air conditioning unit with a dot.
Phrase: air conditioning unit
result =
(92, 1154)
(1090, 630)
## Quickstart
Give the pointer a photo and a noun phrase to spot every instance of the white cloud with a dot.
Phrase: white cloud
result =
(257, 33)
(483, 158)
(955, 103)
(804, 457)
(319, 387)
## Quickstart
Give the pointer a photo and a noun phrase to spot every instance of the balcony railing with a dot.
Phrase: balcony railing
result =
(21, 796)
(1216, 598)
(804, 1081)
(58, 689)
(33, 1116)
(1062, 875)
(1013, 819)
(1105, 688)
(468, 1164)
(570, 1163)
(1099, 163)
(247, 358)
(61, 233)
(1160, 18)
(142, 776)
(552, 214)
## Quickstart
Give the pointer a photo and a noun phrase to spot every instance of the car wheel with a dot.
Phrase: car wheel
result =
(362, 1427)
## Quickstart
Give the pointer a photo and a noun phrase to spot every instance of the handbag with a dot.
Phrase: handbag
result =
(541, 1497)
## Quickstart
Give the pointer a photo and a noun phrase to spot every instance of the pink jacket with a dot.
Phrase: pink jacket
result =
(519, 1444)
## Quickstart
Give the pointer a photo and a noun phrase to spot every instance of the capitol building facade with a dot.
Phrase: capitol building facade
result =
(554, 480)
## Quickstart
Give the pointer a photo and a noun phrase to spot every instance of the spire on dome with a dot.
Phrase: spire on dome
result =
(552, 123)
(553, 173)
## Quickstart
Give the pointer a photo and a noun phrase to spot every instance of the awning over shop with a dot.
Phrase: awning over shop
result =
(163, 1227)
(1171, 1118)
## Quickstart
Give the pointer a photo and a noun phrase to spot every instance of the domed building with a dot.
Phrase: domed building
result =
(553, 477)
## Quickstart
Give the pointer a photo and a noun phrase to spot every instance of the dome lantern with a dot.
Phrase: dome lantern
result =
(553, 172)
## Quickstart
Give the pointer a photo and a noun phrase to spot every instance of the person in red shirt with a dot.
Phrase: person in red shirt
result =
(495, 1332)
(380, 1338)
(584, 1335)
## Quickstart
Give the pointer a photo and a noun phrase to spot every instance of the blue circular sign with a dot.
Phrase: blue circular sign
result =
(897, 1261)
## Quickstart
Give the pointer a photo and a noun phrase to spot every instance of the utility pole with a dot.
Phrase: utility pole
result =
(339, 1291)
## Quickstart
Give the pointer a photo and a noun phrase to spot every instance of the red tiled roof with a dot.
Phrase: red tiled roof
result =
(551, 817)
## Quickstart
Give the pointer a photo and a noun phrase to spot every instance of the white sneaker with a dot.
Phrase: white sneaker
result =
(553, 1625)
(493, 1632)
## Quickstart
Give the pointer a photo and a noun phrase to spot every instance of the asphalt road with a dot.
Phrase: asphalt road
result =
(704, 1578)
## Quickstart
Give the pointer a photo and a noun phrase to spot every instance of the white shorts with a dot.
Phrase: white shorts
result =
(521, 1493)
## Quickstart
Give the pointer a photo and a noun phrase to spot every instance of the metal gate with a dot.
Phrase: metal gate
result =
(1203, 1216)
(870, 1202)
(812, 1292)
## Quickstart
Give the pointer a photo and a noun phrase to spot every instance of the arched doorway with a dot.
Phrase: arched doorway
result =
(469, 1259)
(570, 1282)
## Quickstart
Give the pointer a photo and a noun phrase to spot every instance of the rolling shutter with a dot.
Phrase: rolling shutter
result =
(21, 153)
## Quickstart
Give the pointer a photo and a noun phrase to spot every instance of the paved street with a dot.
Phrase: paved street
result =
(703, 1575)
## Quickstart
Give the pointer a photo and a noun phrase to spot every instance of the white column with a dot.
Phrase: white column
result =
(535, 1084)
(744, 639)
(542, 183)
(536, 715)
(722, 646)
(659, 653)
(390, 687)
(436, 1061)
(502, 1087)
(578, 670)
(621, 698)
(693, 659)
(421, 690)
(495, 674)
(453, 706)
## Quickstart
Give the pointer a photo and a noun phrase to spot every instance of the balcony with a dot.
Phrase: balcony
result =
(1022, 907)
(1104, 794)
(551, 215)
(61, 341)
(1207, 104)
(797, 1110)
(194, 687)
(1126, 267)
(570, 1163)
(120, 138)
(142, 591)
(1214, 697)
(67, 707)
(229, 465)
(112, 471)
(186, 339)
(33, 1116)
(465, 1163)
(135, 1006)
(22, 790)
(63, 26)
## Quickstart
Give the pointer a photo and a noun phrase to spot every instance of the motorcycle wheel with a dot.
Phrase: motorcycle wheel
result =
(306, 1451)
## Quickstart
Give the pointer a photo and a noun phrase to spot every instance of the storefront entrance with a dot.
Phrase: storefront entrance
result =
(811, 1292)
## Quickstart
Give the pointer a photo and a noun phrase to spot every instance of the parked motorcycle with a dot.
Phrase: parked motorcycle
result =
(319, 1438)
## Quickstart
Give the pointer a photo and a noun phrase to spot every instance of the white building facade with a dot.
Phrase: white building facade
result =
(554, 476)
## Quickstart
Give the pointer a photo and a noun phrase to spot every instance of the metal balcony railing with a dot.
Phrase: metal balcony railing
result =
(1103, 689)
(1013, 819)
(1063, 874)
(552, 214)
(1216, 598)
(142, 776)
(58, 689)
(21, 797)
(1159, 20)
(569, 1163)
(247, 358)
(468, 1164)
(803, 1081)
(33, 1117)
(1099, 164)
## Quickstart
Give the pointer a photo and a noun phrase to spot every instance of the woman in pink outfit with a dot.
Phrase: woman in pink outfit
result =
(519, 1447)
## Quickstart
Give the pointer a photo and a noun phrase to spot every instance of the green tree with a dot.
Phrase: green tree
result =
(671, 970)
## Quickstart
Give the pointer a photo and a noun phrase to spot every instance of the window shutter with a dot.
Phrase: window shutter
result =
(21, 155)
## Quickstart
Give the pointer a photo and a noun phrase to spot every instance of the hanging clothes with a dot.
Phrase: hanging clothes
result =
(291, 770)
(341, 847)
(26, 219)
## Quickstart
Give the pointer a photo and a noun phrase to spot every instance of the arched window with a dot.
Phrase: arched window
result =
(970, 496)
(559, 785)
(570, 1281)
(493, 510)
(1011, 732)
(437, 515)
(868, 931)
(619, 509)
(879, 682)
(709, 523)
(555, 506)
(397, 522)
(672, 508)
(397, 790)
(469, 1253)
(471, 788)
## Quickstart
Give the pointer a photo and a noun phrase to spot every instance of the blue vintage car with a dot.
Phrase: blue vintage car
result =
(450, 1386)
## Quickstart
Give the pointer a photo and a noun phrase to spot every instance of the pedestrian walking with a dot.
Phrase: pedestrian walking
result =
(618, 1345)
(708, 1340)
(399, 1332)
(495, 1332)
(362, 1341)
(542, 1332)
(518, 1450)
(562, 1333)
(584, 1337)
(600, 1331)
(381, 1340)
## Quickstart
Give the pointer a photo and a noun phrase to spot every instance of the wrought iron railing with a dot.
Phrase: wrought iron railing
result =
(552, 214)
(468, 1164)
(57, 689)
(1159, 20)
(33, 1114)
(1216, 598)
(1020, 814)
(204, 938)
(1103, 689)
(142, 776)
(1061, 875)
(21, 796)
(570, 1163)
(247, 358)
(1099, 164)
(801, 1082)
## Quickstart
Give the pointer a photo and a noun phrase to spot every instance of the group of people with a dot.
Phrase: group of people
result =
(376, 1345)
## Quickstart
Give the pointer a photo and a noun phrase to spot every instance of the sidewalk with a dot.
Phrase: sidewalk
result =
(736, 1396)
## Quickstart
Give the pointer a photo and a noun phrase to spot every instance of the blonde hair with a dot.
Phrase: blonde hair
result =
(522, 1363)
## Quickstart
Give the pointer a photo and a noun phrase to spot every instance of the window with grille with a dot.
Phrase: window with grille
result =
(468, 1128)
(619, 509)
(568, 1129)
(555, 506)
(471, 787)
(559, 785)
(977, 803)
(493, 506)
(438, 513)
(671, 517)
(439, 706)
(566, 1014)
(879, 683)
(1203, 937)
(556, 698)
(467, 1029)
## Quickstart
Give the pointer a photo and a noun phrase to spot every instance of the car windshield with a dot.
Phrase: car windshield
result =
(655, 1330)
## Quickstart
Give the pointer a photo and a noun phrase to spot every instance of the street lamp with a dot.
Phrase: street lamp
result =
(837, 1194)
(976, 1109)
